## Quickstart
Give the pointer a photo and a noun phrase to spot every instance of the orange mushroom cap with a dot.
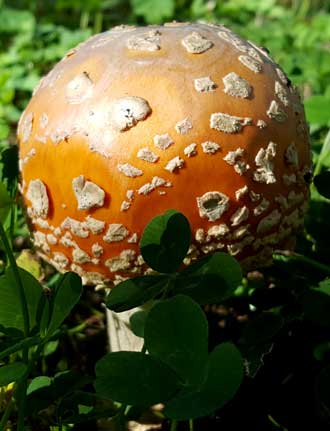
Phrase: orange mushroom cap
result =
(136, 121)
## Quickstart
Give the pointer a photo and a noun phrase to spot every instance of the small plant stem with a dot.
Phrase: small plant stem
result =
(295, 257)
(98, 22)
(173, 425)
(6, 415)
(26, 322)
(320, 158)
(191, 425)
(12, 261)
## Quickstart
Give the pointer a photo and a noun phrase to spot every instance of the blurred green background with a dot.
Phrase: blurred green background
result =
(34, 34)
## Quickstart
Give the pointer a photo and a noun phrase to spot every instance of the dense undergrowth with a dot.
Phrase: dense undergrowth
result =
(270, 332)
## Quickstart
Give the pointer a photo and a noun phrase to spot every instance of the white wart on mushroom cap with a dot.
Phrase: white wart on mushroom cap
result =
(189, 116)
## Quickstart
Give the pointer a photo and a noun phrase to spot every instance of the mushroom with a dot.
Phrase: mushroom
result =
(136, 121)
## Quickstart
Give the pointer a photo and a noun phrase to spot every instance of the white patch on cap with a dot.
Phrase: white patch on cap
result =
(190, 150)
(234, 249)
(241, 192)
(97, 250)
(39, 239)
(116, 232)
(282, 76)
(67, 240)
(195, 43)
(37, 195)
(234, 158)
(254, 197)
(146, 189)
(121, 263)
(212, 205)
(88, 194)
(241, 232)
(240, 215)
(210, 147)
(262, 207)
(268, 222)
(26, 127)
(289, 180)
(126, 112)
(261, 124)
(60, 261)
(218, 231)
(265, 162)
(94, 225)
(276, 113)
(76, 227)
(236, 86)
(281, 93)
(80, 256)
(205, 84)
(125, 205)
(149, 41)
(282, 201)
(130, 195)
(79, 89)
(147, 155)
(51, 239)
(133, 239)
(295, 198)
(163, 141)
(250, 63)
(228, 123)
(184, 126)
(129, 170)
(43, 120)
(174, 164)
(291, 155)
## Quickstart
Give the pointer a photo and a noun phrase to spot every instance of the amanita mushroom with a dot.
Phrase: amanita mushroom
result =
(136, 121)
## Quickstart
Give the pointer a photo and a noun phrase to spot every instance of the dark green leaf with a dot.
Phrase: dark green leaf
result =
(12, 372)
(261, 328)
(176, 332)
(211, 279)
(135, 378)
(134, 292)
(9, 158)
(5, 203)
(137, 322)
(66, 295)
(316, 306)
(165, 241)
(322, 391)
(224, 374)
(322, 183)
(10, 304)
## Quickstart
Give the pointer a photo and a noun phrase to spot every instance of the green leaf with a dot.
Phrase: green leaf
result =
(261, 328)
(137, 322)
(322, 183)
(316, 306)
(135, 378)
(165, 241)
(134, 292)
(11, 373)
(322, 391)
(5, 203)
(154, 11)
(210, 279)
(224, 374)
(318, 110)
(176, 332)
(9, 159)
(67, 294)
(37, 383)
(10, 304)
